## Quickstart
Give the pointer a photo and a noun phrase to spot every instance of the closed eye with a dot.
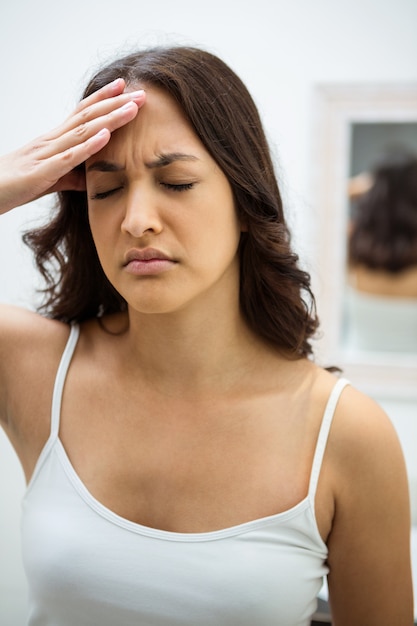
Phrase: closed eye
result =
(101, 195)
(179, 187)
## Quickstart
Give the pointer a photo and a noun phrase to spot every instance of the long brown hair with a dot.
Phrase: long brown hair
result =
(275, 294)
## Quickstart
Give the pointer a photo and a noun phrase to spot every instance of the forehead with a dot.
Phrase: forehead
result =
(159, 104)
(159, 127)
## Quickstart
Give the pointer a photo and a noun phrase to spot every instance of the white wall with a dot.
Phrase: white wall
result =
(281, 49)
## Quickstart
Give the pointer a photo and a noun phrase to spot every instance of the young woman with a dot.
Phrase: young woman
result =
(188, 462)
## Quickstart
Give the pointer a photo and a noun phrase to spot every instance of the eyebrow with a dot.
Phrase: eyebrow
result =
(161, 161)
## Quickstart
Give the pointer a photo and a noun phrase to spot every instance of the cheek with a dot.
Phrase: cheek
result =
(103, 233)
(225, 222)
(103, 222)
(220, 233)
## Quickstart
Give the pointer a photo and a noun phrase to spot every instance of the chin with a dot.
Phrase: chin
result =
(154, 306)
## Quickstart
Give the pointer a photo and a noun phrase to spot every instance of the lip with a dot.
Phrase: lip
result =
(147, 262)
(147, 254)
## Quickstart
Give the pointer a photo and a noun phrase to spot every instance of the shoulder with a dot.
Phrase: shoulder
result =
(364, 452)
(363, 466)
(362, 432)
(361, 439)
(370, 534)
(23, 331)
(30, 349)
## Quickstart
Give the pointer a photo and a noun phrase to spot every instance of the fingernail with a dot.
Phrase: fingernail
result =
(116, 83)
(127, 106)
(135, 94)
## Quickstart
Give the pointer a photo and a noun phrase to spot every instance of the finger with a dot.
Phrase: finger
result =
(111, 122)
(56, 168)
(107, 106)
(95, 111)
(115, 88)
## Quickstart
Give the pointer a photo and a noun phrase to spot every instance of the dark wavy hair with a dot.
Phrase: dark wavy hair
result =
(275, 294)
(384, 230)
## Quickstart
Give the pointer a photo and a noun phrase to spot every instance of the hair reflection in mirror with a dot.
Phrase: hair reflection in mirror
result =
(384, 229)
(381, 299)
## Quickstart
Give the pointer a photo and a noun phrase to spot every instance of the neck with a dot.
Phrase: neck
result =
(185, 350)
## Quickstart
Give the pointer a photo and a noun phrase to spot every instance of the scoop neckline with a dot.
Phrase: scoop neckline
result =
(114, 518)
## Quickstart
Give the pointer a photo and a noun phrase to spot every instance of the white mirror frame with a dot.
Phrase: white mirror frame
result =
(337, 107)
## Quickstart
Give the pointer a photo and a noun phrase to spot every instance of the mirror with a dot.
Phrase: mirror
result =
(355, 126)
(380, 299)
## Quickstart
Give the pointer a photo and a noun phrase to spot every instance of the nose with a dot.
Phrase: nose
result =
(141, 214)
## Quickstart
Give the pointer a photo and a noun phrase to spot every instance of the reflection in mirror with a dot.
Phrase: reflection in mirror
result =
(355, 126)
(380, 301)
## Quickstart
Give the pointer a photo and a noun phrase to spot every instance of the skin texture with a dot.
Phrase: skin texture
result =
(243, 418)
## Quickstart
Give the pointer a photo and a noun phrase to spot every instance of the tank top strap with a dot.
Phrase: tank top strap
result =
(61, 377)
(324, 434)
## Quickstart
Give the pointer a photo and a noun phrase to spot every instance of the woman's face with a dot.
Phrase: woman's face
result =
(162, 212)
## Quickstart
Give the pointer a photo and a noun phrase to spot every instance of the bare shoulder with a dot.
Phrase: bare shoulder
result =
(363, 436)
(364, 455)
(363, 444)
(369, 556)
(359, 414)
(30, 346)
(22, 331)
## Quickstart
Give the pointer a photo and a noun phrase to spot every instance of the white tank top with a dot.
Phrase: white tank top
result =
(87, 566)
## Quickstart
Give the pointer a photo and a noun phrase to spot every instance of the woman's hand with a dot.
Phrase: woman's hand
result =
(48, 163)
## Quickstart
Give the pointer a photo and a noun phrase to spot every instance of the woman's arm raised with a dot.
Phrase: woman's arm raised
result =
(48, 163)
(29, 342)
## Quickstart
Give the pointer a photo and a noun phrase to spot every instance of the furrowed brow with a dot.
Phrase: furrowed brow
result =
(166, 159)
(105, 166)
(161, 161)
